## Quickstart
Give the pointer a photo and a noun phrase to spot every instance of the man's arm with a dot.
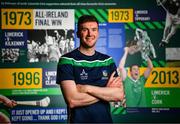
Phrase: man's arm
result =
(73, 97)
(122, 64)
(105, 93)
(7, 101)
(149, 68)
(112, 92)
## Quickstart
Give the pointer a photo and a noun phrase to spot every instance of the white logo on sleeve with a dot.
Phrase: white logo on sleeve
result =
(105, 75)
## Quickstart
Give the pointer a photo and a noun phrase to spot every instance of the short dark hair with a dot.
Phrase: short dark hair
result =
(86, 18)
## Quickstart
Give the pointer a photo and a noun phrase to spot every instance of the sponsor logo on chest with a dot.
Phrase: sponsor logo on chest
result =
(83, 75)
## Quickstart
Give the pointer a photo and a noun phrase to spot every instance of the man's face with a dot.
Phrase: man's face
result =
(88, 34)
(134, 72)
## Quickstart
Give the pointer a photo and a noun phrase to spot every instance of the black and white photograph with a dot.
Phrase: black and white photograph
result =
(172, 54)
(49, 45)
(10, 55)
(172, 20)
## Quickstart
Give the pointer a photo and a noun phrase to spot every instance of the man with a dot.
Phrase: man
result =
(32, 51)
(83, 75)
(134, 85)
(53, 50)
(172, 8)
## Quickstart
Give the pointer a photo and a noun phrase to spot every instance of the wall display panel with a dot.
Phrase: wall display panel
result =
(35, 34)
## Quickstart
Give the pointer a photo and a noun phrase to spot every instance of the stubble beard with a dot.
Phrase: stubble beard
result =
(87, 46)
